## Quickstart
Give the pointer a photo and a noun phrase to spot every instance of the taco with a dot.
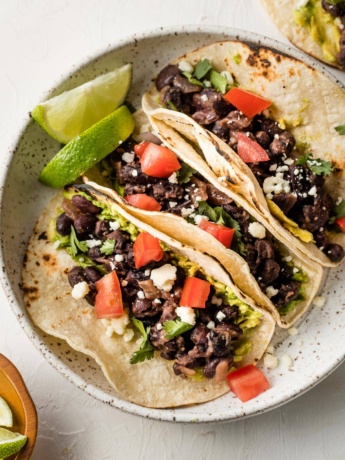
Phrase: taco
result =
(100, 279)
(315, 26)
(178, 194)
(254, 115)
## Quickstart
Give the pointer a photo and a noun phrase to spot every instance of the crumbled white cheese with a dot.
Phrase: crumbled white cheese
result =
(117, 325)
(159, 326)
(172, 204)
(286, 361)
(287, 259)
(204, 97)
(276, 136)
(199, 218)
(186, 314)
(56, 244)
(147, 272)
(293, 331)
(282, 168)
(124, 283)
(216, 301)
(312, 191)
(198, 198)
(207, 84)
(339, 200)
(186, 197)
(141, 295)
(210, 325)
(271, 291)
(119, 258)
(93, 243)
(185, 66)
(134, 173)
(128, 335)
(173, 178)
(275, 185)
(228, 76)
(80, 290)
(164, 277)
(295, 270)
(157, 301)
(114, 225)
(128, 157)
(220, 316)
(273, 167)
(185, 212)
(257, 230)
(319, 301)
(289, 161)
(270, 361)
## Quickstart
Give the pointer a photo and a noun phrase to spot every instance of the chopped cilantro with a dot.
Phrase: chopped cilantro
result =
(107, 247)
(76, 244)
(219, 82)
(192, 80)
(175, 328)
(202, 68)
(340, 129)
(146, 350)
(316, 165)
(172, 106)
(185, 173)
(120, 189)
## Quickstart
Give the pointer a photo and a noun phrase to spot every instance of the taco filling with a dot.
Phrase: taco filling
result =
(292, 180)
(325, 22)
(134, 281)
(189, 195)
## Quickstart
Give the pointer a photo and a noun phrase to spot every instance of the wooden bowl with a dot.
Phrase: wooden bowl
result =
(14, 391)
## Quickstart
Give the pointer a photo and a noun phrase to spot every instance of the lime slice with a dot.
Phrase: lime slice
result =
(66, 116)
(89, 148)
(10, 443)
(6, 417)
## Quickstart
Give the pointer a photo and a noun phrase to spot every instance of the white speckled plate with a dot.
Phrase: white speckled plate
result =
(316, 351)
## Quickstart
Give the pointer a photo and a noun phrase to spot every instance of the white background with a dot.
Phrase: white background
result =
(39, 41)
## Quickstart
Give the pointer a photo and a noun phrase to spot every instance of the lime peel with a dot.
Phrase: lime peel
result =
(10, 442)
(89, 148)
(6, 417)
(69, 114)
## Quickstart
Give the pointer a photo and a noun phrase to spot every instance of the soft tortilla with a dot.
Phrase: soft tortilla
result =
(282, 14)
(290, 85)
(152, 383)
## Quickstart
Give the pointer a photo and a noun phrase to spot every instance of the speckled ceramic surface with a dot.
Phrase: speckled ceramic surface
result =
(315, 351)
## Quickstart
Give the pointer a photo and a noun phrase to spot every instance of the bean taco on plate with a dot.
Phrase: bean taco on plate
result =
(163, 320)
(315, 26)
(271, 128)
(177, 193)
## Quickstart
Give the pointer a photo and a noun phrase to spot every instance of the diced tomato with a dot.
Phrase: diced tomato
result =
(250, 151)
(248, 382)
(221, 233)
(146, 249)
(341, 223)
(139, 149)
(248, 103)
(159, 161)
(143, 201)
(108, 302)
(195, 292)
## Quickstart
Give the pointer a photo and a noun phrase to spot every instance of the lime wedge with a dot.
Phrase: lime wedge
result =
(10, 443)
(66, 116)
(6, 417)
(89, 148)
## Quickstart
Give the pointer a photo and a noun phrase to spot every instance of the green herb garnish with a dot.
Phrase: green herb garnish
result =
(316, 165)
(76, 244)
(185, 173)
(120, 189)
(192, 80)
(107, 247)
(219, 82)
(202, 68)
(146, 350)
(175, 328)
(172, 106)
(340, 129)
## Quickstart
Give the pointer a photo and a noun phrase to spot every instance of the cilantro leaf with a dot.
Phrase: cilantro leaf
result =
(185, 173)
(206, 210)
(76, 244)
(120, 189)
(146, 350)
(175, 328)
(219, 82)
(202, 68)
(192, 80)
(107, 247)
(316, 165)
(341, 130)
(172, 106)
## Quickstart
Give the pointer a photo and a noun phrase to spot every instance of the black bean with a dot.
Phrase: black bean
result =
(166, 76)
(335, 252)
(92, 274)
(85, 223)
(63, 224)
(75, 276)
(102, 228)
(85, 205)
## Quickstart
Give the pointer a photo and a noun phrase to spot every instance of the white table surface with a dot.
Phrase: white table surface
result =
(39, 41)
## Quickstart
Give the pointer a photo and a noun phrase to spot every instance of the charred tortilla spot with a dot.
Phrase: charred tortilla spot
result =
(265, 63)
(37, 263)
(43, 236)
(251, 60)
(31, 292)
(46, 257)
